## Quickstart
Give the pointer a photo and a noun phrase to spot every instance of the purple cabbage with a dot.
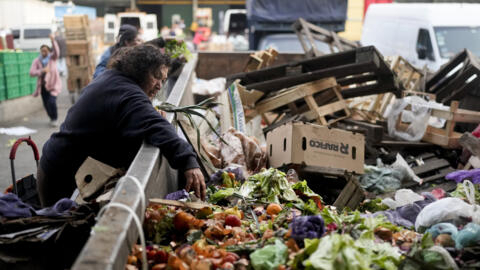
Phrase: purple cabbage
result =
(216, 178)
(178, 195)
(307, 227)
(459, 176)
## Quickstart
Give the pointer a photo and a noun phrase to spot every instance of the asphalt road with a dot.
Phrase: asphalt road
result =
(24, 162)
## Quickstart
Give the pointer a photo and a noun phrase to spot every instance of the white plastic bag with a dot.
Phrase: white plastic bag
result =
(470, 193)
(418, 118)
(401, 163)
(402, 197)
(444, 210)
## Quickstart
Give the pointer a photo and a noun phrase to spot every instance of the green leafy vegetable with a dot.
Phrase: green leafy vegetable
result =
(372, 206)
(221, 194)
(269, 257)
(177, 48)
(459, 192)
(341, 251)
(268, 186)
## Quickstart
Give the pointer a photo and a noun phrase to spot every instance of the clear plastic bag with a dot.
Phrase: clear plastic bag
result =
(452, 210)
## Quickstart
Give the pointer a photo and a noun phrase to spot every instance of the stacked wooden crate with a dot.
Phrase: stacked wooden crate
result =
(80, 61)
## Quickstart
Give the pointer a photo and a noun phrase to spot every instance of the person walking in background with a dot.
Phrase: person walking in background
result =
(127, 36)
(49, 84)
(62, 45)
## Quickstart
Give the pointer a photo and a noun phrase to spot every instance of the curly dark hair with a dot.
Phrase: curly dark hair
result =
(157, 42)
(139, 62)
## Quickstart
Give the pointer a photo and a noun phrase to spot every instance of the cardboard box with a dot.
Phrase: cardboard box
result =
(315, 145)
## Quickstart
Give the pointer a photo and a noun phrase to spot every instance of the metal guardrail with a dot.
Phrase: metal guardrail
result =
(115, 232)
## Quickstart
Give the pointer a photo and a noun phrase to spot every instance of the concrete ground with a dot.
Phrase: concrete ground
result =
(24, 162)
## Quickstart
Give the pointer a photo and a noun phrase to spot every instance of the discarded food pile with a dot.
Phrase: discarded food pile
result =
(269, 222)
(383, 162)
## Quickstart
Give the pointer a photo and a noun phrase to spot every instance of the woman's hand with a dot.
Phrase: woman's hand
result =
(45, 70)
(52, 37)
(196, 181)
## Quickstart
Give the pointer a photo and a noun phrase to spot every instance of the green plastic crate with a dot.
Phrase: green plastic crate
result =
(7, 57)
(11, 69)
(25, 89)
(3, 93)
(13, 92)
(32, 79)
(24, 68)
(24, 79)
(32, 55)
(11, 81)
(33, 87)
(24, 58)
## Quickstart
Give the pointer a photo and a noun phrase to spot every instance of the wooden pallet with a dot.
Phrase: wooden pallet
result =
(352, 70)
(446, 137)
(306, 92)
(309, 33)
(261, 59)
(455, 79)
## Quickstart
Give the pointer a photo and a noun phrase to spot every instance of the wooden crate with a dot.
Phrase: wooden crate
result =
(261, 59)
(77, 34)
(306, 92)
(446, 137)
(78, 71)
(409, 77)
(77, 83)
(309, 33)
(75, 21)
(455, 79)
(351, 196)
(79, 47)
(360, 72)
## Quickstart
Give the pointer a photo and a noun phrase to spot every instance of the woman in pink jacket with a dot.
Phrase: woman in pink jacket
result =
(49, 84)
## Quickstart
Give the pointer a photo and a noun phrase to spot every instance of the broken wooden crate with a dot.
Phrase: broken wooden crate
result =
(308, 33)
(306, 92)
(446, 137)
(359, 72)
(457, 78)
(261, 59)
(336, 186)
(407, 76)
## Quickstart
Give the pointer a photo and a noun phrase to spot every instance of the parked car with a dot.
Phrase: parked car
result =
(31, 37)
(424, 34)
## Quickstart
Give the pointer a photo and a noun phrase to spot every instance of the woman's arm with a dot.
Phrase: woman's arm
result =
(35, 69)
(55, 48)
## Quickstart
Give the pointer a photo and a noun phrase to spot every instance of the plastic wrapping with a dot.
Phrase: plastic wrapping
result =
(452, 210)
(418, 117)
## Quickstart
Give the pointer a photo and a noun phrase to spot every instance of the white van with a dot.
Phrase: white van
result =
(147, 23)
(31, 37)
(424, 34)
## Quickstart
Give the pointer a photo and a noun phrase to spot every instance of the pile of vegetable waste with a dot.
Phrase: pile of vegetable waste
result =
(268, 222)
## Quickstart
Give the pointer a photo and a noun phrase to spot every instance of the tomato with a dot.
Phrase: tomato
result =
(161, 257)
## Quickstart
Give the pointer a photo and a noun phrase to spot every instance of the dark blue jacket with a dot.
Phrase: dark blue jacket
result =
(102, 65)
(109, 122)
